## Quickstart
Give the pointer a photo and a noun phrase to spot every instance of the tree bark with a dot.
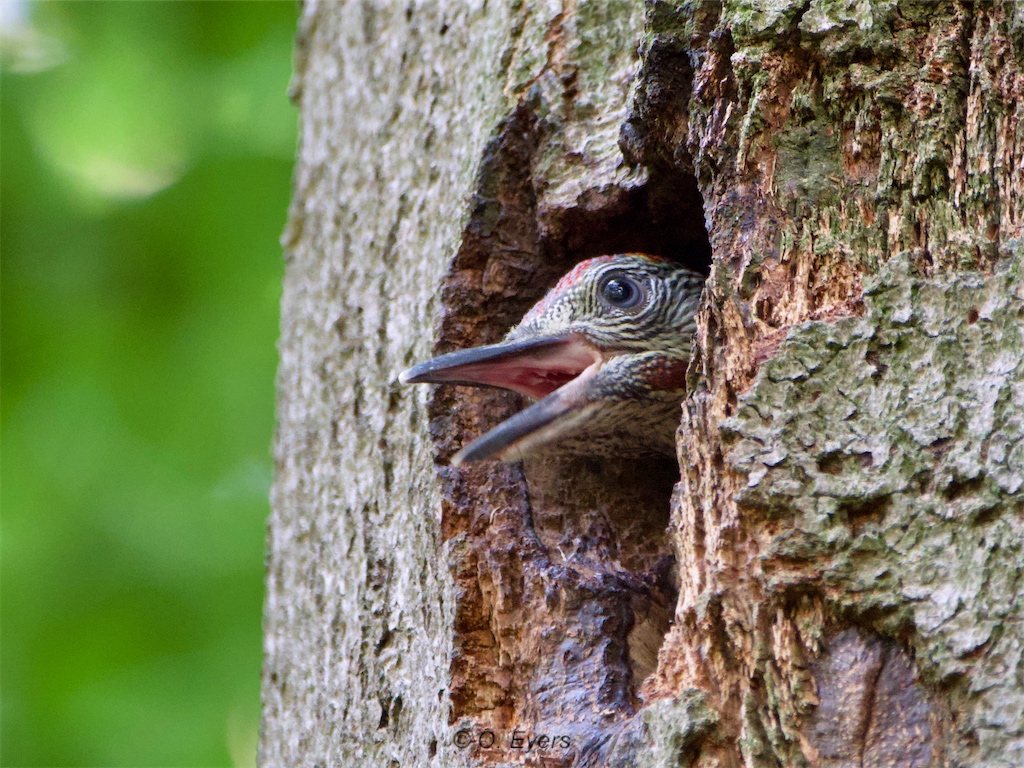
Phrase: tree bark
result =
(835, 576)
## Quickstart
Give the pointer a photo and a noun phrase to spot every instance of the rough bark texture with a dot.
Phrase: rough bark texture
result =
(849, 523)
(835, 579)
(397, 108)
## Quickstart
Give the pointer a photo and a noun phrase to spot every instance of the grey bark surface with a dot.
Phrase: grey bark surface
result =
(395, 115)
(835, 577)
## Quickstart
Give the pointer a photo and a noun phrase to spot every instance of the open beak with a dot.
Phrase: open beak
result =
(556, 370)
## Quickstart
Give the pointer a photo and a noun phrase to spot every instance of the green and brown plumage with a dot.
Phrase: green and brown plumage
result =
(604, 353)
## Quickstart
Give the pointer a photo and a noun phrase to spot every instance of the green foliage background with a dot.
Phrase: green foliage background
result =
(146, 160)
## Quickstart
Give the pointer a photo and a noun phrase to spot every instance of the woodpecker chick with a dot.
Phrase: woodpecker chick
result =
(604, 353)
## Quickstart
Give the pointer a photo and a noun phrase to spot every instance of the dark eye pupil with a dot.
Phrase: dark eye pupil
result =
(619, 292)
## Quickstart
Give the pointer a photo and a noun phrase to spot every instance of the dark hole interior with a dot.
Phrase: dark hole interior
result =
(664, 217)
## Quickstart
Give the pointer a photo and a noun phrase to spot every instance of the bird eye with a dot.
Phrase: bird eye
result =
(622, 292)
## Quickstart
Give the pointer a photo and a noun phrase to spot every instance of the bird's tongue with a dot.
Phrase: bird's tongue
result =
(538, 376)
(535, 426)
(535, 367)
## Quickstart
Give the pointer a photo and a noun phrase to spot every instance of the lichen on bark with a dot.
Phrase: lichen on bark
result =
(883, 459)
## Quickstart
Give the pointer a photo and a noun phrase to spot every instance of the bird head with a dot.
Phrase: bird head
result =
(604, 353)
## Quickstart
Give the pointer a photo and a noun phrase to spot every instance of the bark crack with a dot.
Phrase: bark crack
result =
(870, 703)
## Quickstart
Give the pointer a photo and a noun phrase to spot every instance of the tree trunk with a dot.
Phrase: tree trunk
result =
(835, 577)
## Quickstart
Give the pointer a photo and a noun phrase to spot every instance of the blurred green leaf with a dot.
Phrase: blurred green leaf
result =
(146, 175)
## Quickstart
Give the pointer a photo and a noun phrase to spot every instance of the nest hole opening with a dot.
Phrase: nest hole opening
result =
(609, 517)
(565, 568)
